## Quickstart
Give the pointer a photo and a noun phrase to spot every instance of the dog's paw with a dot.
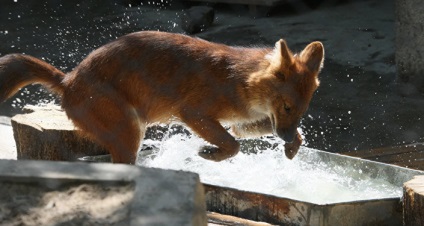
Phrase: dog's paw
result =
(213, 154)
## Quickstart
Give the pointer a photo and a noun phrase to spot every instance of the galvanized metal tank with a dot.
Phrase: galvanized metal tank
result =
(287, 211)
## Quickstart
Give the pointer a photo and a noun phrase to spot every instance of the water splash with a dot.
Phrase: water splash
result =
(270, 172)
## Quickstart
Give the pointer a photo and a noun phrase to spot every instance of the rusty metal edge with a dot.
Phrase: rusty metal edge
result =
(285, 211)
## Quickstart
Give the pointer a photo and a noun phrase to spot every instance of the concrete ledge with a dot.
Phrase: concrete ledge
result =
(161, 197)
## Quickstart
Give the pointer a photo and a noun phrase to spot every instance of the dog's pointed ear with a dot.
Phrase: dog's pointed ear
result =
(281, 56)
(313, 56)
(283, 49)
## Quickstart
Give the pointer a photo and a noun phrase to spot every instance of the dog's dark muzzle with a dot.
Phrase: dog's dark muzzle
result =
(287, 135)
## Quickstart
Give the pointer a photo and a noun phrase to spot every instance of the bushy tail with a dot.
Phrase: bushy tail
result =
(18, 70)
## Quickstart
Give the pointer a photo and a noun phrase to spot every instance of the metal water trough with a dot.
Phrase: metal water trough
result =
(286, 211)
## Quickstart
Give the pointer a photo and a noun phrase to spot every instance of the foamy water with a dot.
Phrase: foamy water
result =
(270, 172)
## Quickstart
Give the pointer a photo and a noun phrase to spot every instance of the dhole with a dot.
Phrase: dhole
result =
(155, 77)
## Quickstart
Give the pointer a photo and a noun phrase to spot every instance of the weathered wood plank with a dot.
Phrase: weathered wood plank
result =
(416, 164)
(47, 134)
(411, 155)
(375, 152)
(216, 219)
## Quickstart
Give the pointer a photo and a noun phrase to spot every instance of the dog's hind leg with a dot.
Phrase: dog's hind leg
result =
(111, 122)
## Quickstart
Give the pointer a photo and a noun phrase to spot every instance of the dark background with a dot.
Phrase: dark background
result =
(357, 106)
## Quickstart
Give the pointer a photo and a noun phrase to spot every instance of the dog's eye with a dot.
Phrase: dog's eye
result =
(287, 108)
(280, 75)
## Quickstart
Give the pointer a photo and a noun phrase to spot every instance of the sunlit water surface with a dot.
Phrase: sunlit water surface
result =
(270, 172)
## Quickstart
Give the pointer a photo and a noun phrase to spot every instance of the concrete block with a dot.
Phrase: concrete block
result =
(411, 11)
(409, 28)
(161, 197)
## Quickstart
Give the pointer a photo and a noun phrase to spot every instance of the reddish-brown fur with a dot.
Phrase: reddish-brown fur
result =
(150, 77)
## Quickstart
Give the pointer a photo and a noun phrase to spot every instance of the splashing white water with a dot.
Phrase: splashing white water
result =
(270, 172)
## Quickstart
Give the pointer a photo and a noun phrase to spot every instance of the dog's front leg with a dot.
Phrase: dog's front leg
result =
(213, 132)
